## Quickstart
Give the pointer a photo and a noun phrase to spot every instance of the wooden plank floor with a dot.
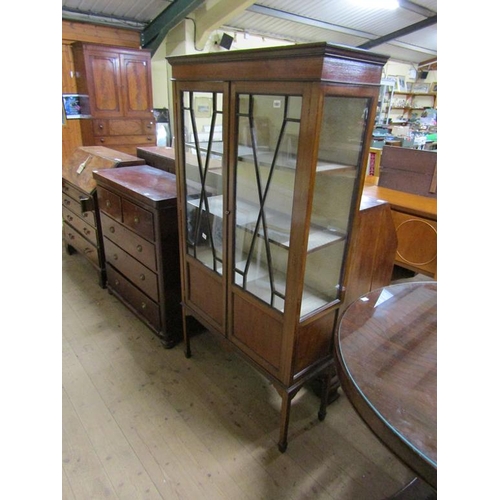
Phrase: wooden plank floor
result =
(143, 422)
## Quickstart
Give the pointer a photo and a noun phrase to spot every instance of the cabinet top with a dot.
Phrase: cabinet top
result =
(319, 61)
(143, 182)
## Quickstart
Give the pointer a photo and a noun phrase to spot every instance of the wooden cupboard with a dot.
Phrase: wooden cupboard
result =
(118, 83)
(271, 150)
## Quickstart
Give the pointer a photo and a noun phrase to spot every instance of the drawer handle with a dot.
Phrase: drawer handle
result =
(143, 305)
(115, 257)
(139, 248)
(142, 277)
(102, 140)
(117, 282)
(88, 250)
(112, 229)
(100, 126)
(69, 218)
(86, 231)
(70, 236)
(108, 203)
(136, 219)
(66, 188)
(67, 202)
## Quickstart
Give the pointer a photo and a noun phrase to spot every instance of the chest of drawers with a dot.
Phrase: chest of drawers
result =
(81, 224)
(138, 214)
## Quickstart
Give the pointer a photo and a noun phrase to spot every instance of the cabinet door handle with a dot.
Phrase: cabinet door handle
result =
(69, 218)
(115, 257)
(139, 248)
(111, 229)
(142, 277)
(117, 282)
(136, 219)
(108, 203)
(143, 305)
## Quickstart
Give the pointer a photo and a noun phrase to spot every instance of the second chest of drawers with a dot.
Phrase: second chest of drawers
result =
(138, 214)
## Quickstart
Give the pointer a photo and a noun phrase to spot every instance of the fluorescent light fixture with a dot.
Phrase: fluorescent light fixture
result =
(377, 4)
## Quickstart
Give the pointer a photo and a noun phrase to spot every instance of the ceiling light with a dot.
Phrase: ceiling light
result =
(377, 4)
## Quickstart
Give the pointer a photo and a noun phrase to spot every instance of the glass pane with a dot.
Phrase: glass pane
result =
(203, 147)
(268, 130)
(339, 163)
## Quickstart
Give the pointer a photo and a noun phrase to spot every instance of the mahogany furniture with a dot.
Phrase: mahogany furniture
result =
(415, 219)
(409, 170)
(138, 212)
(118, 83)
(161, 157)
(81, 223)
(386, 359)
(271, 151)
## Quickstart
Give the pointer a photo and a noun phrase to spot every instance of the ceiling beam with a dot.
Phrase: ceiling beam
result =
(154, 33)
(209, 19)
(430, 21)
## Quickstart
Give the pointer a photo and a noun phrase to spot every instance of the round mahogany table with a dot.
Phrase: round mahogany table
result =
(386, 359)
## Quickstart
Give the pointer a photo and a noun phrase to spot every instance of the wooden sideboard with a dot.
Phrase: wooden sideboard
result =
(415, 220)
(160, 157)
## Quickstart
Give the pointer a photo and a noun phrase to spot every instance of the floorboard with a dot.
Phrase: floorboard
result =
(144, 422)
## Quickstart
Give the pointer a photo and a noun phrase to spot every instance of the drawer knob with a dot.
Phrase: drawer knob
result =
(143, 305)
(67, 202)
(71, 236)
(136, 219)
(108, 203)
(100, 126)
(117, 282)
(139, 248)
(142, 277)
(112, 229)
(69, 218)
(86, 231)
(115, 257)
(102, 140)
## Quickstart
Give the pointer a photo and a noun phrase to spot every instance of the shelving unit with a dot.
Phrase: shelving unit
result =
(404, 104)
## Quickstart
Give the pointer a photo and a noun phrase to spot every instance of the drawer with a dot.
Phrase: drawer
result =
(137, 273)
(113, 140)
(139, 220)
(100, 127)
(144, 307)
(109, 202)
(80, 225)
(74, 205)
(141, 249)
(148, 127)
(72, 191)
(79, 243)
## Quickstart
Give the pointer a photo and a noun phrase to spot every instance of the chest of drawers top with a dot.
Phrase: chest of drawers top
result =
(144, 184)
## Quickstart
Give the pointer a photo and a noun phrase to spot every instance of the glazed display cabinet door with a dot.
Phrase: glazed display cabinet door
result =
(204, 200)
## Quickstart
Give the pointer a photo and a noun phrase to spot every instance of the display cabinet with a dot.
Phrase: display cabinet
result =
(384, 101)
(271, 149)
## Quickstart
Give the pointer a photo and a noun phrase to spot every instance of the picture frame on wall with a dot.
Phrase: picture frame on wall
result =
(434, 88)
(421, 88)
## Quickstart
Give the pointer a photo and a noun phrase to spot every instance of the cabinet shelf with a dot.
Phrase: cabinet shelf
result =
(277, 224)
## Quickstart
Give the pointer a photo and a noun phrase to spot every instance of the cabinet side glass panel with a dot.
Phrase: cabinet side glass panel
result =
(268, 131)
(203, 153)
(339, 164)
